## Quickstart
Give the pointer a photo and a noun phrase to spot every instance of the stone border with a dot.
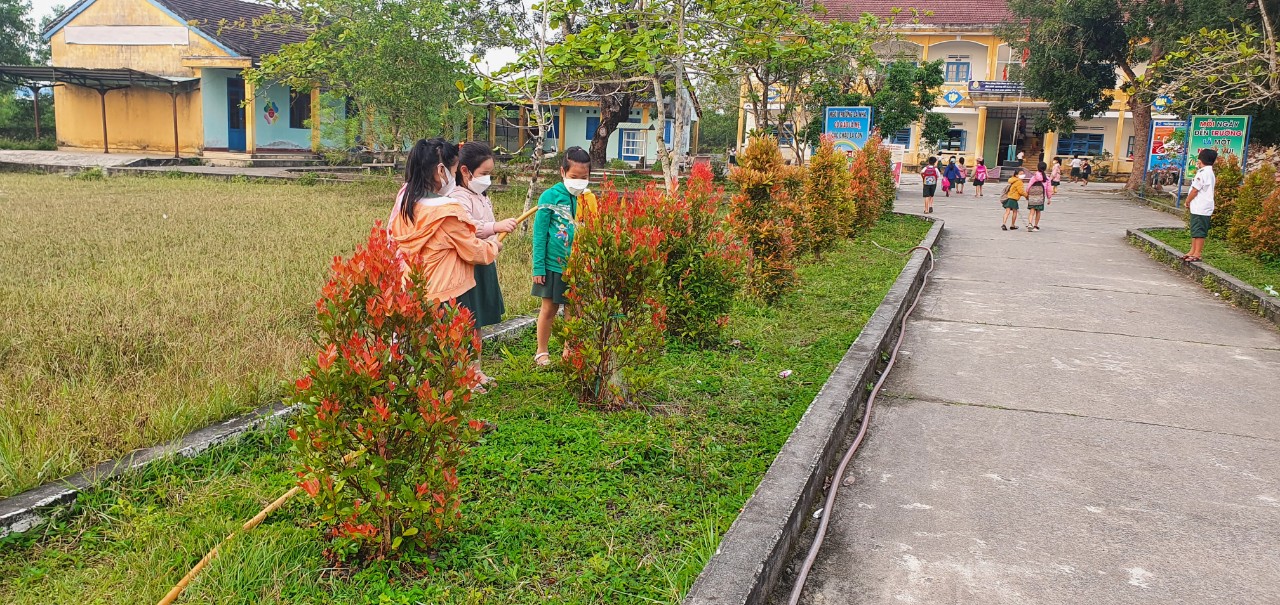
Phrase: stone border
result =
(1230, 288)
(33, 507)
(1156, 204)
(757, 548)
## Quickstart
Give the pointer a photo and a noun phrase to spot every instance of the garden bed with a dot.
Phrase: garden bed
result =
(561, 503)
(1238, 278)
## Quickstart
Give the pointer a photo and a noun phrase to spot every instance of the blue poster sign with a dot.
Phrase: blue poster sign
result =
(1168, 140)
(851, 126)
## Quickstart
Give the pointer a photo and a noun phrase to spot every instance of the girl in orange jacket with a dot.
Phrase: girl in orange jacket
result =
(427, 223)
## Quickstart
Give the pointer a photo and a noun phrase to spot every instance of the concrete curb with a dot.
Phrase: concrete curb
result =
(33, 507)
(1156, 204)
(753, 553)
(1224, 284)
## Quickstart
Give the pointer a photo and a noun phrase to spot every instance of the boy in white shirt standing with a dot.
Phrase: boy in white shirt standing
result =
(1200, 202)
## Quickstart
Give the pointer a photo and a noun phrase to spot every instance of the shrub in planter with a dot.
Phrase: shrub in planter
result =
(1257, 187)
(705, 262)
(827, 192)
(882, 168)
(392, 379)
(1264, 234)
(864, 189)
(614, 319)
(759, 217)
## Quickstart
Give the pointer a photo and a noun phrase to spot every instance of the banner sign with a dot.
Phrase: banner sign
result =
(898, 154)
(1227, 134)
(995, 87)
(851, 126)
(1167, 138)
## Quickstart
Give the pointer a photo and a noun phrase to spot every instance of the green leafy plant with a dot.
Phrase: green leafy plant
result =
(615, 318)
(392, 383)
(705, 262)
(758, 216)
(1257, 187)
(308, 179)
(90, 174)
(882, 169)
(1264, 234)
(827, 191)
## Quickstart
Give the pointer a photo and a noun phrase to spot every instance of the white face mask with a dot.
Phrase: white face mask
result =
(576, 186)
(450, 182)
(479, 184)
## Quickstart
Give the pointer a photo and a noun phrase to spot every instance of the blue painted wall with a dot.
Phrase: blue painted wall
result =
(213, 95)
(576, 119)
(278, 135)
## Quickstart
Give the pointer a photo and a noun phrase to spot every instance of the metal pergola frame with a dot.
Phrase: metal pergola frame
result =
(38, 77)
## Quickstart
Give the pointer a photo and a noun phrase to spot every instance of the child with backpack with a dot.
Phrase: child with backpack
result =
(929, 174)
(1013, 192)
(979, 177)
(1039, 193)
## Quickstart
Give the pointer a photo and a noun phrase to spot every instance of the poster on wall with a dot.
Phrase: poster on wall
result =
(1227, 134)
(1166, 145)
(851, 126)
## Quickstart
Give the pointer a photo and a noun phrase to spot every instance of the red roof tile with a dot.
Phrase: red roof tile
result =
(943, 12)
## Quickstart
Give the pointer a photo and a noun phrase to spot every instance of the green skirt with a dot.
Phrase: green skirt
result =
(553, 289)
(486, 296)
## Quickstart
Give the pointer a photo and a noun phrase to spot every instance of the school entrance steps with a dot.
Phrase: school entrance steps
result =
(1069, 423)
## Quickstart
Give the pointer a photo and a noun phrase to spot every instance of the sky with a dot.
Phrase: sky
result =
(44, 8)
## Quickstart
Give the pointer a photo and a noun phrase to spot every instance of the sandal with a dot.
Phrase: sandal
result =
(1004, 227)
(542, 360)
(1013, 226)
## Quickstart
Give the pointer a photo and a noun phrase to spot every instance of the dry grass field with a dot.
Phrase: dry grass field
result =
(134, 310)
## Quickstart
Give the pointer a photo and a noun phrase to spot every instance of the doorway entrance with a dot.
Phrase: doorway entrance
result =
(235, 115)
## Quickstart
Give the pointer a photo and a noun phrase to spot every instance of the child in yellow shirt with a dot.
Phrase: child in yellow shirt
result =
(1012, 193)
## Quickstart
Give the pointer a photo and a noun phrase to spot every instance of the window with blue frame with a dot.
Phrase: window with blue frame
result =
(957, 71)
(1080, 143)
(954, 141)
(666, 132)
(593, 124)
(902, 137)
(787, 134)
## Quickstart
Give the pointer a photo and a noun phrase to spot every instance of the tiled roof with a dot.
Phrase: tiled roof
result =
(942, 12)
(226, 21)
(229, 21)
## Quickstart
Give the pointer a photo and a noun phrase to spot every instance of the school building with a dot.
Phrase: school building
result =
(574, 120)
(991, 116)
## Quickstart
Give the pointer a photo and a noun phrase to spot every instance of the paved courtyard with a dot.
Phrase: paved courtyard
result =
(1070, 423)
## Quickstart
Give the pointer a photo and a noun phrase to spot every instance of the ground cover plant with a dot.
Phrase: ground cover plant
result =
(561, 503)
(139, 309)
(1260, 273)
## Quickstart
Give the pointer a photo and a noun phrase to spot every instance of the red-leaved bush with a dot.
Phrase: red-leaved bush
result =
(1264, 234)
(392, 381)
(865, 188)
(615, 317)
(705, 261)
(759, 215)
(827, 190)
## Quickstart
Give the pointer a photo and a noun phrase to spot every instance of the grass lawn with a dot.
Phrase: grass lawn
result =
(562, 504)
(139, 309)
(1250, 269)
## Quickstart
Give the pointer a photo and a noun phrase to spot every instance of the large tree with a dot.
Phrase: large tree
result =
(17, 33)
(397, 62)
(1227, 70)
(1079, 51)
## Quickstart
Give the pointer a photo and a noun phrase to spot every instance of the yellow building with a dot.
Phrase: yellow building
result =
(166, 76)
(990, 116)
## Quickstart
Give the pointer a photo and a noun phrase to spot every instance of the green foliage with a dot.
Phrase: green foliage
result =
(389, 58)
(1264, 234)
(1224, 69)
(882, 172)
(90, 174)
(385, 406)
(717, 131)
(1261, 274)
(936, 126)
(1258, 185)
(615, 318)
(619, 164)
(757, 215)
(827, 192)
(18, 37)
(43, 144)
(705, 262)
(902, 93)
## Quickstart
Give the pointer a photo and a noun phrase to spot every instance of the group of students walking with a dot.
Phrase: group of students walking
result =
(953, 176)
(444, 216)
(1037, 187)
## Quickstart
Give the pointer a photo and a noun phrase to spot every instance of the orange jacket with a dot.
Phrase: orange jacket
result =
(443, 235)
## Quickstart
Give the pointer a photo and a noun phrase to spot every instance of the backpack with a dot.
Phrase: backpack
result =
(930, 175)
(1035, 193)
(1004, 195)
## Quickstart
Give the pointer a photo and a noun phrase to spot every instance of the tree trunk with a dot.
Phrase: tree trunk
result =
(1141, 140)
(614, 110)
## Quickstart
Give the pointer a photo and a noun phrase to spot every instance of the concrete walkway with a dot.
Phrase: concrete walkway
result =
(1069, 423)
